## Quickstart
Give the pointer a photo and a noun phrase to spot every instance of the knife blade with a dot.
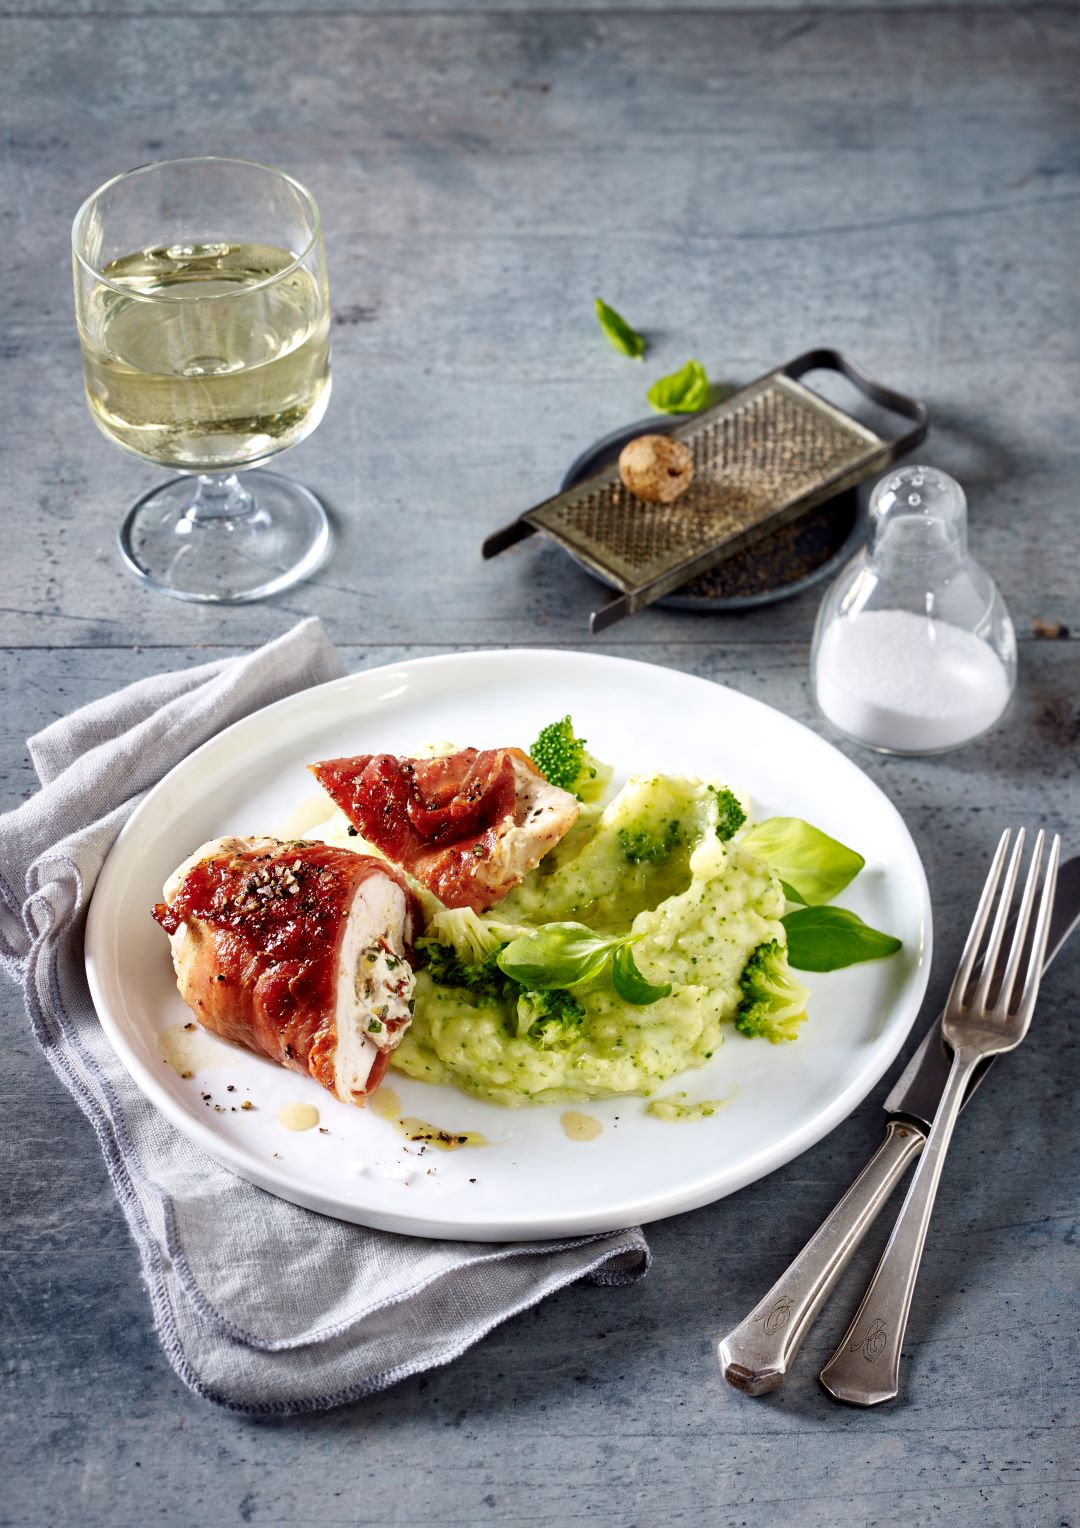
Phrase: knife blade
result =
(917, 1091)
(756, 1354)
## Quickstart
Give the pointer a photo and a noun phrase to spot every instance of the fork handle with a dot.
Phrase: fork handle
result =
(756, 1355)
(865, 1369)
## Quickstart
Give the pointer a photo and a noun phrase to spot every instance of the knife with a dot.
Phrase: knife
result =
(756, 1355)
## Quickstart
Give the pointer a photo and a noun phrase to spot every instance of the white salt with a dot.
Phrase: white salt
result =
(905, 682)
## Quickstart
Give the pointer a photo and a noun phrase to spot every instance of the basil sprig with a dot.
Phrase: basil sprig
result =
(813, 868)
(618, 332)
(629, 982)
(567, 954)
(830, 938)
(682, 392)
(557, 955)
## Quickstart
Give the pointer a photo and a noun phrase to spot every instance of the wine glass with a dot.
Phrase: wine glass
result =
(204, 319)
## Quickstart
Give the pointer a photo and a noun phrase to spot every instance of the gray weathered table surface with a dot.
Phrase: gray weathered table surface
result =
(901, 182)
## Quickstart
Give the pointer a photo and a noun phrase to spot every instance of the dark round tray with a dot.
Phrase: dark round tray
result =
(780, 565)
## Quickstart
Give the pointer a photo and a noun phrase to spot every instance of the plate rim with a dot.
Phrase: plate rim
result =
(296, 1188)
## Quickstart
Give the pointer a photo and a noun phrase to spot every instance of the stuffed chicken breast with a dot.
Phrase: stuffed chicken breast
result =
(299, 951)
(469, 826)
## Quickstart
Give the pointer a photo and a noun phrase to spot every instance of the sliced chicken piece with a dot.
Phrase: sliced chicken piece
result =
(467, 825)
(299, 951)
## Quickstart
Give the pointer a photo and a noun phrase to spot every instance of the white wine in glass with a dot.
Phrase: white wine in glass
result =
(206, 348)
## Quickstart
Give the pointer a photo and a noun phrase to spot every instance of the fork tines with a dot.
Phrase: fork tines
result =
(979, 984)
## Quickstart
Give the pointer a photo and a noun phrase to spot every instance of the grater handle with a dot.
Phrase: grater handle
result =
(914, 409)
(498, 541)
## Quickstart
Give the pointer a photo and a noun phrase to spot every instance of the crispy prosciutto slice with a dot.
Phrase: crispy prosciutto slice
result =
(467, 826)
(299, 951)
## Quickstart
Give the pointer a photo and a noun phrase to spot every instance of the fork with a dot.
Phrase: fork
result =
(865, 1369)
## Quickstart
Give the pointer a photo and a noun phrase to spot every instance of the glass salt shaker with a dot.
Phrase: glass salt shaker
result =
(914, 651)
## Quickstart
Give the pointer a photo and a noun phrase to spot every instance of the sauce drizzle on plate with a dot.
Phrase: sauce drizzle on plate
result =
(298, 1116)
(580, 1127)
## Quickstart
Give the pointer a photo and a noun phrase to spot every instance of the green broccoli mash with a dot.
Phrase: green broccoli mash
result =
(701, 907)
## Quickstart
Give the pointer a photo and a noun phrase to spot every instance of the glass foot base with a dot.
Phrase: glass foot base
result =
(225, 541)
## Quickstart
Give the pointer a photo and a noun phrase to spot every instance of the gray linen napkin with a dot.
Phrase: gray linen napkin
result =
(260, 1306)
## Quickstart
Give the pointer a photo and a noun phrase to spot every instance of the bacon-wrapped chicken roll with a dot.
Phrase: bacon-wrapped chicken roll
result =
(468, 825)
(299, 951)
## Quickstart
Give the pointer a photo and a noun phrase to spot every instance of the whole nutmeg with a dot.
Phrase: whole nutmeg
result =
(656, 468)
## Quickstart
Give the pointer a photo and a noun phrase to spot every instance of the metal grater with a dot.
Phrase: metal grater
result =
(762, 456)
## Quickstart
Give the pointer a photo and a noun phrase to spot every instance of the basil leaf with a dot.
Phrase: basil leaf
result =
(629, 982)
(683, 392)
(557, 955)
(813, 867)
(791, 894)
(829, 938)
(619, 333)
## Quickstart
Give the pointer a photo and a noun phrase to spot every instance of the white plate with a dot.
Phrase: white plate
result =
(531, 1180)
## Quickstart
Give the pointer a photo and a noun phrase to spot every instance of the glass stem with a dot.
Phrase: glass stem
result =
(220, 497)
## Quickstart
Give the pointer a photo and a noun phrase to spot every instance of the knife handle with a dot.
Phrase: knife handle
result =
(756, 1354)
(854, 1372)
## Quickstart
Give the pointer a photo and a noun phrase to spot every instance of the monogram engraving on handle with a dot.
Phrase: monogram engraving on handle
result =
(872, 1344)
(775, 1318)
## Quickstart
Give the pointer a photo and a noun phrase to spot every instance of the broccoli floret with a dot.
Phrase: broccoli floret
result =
(773, 1003)
(550, 1018)
(559, 755)
(472, 936)
(730, 815)
(483, 977)
(650, 846)
(563, 760)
